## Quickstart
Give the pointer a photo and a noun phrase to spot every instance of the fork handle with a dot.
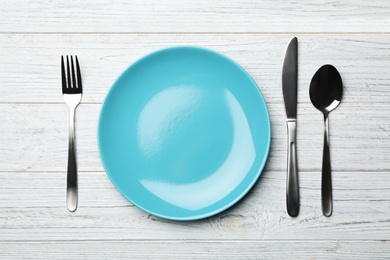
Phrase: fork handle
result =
(71, 191)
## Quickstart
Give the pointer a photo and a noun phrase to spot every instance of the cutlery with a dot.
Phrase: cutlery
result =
(289, 84)
(326, 89)
(72, 92)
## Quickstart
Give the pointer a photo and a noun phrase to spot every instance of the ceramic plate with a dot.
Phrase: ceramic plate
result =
(184, 133)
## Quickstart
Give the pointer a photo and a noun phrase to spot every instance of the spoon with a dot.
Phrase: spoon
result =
(326, 89)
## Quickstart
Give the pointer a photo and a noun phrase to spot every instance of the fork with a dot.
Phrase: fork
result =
(72, 92)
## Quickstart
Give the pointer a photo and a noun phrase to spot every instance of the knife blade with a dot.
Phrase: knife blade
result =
(289, 85)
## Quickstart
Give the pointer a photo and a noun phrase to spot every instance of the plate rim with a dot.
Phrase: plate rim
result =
(249, 186)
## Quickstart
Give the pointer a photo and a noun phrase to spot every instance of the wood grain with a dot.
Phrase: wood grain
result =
(110, 35)
(34, 137)
(212, 249)
(33, 209)
(30, 62)
(195, 16)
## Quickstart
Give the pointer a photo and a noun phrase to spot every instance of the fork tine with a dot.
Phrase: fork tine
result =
(79, 85)
(68, 70)
(73, 74)
(63, 75)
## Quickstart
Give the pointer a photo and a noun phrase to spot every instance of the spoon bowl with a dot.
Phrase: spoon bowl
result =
(326, 90)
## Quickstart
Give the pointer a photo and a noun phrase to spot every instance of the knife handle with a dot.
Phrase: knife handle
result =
(292, 186)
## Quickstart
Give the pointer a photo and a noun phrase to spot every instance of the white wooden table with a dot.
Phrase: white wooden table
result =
(108, 36)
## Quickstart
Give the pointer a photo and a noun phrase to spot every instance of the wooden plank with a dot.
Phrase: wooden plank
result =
(34, 137)
(197, 250)
(110, 35)
(30, 63)
(195, 16)
(33, 209)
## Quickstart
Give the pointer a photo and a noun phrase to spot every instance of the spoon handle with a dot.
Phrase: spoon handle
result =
(292, 192)
(326, 184)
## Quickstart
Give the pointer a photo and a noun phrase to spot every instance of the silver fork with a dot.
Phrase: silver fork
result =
(72, 91)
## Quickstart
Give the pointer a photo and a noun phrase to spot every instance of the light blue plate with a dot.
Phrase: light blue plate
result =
(184, 133)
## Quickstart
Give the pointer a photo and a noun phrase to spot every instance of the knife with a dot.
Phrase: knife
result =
(289, 85)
